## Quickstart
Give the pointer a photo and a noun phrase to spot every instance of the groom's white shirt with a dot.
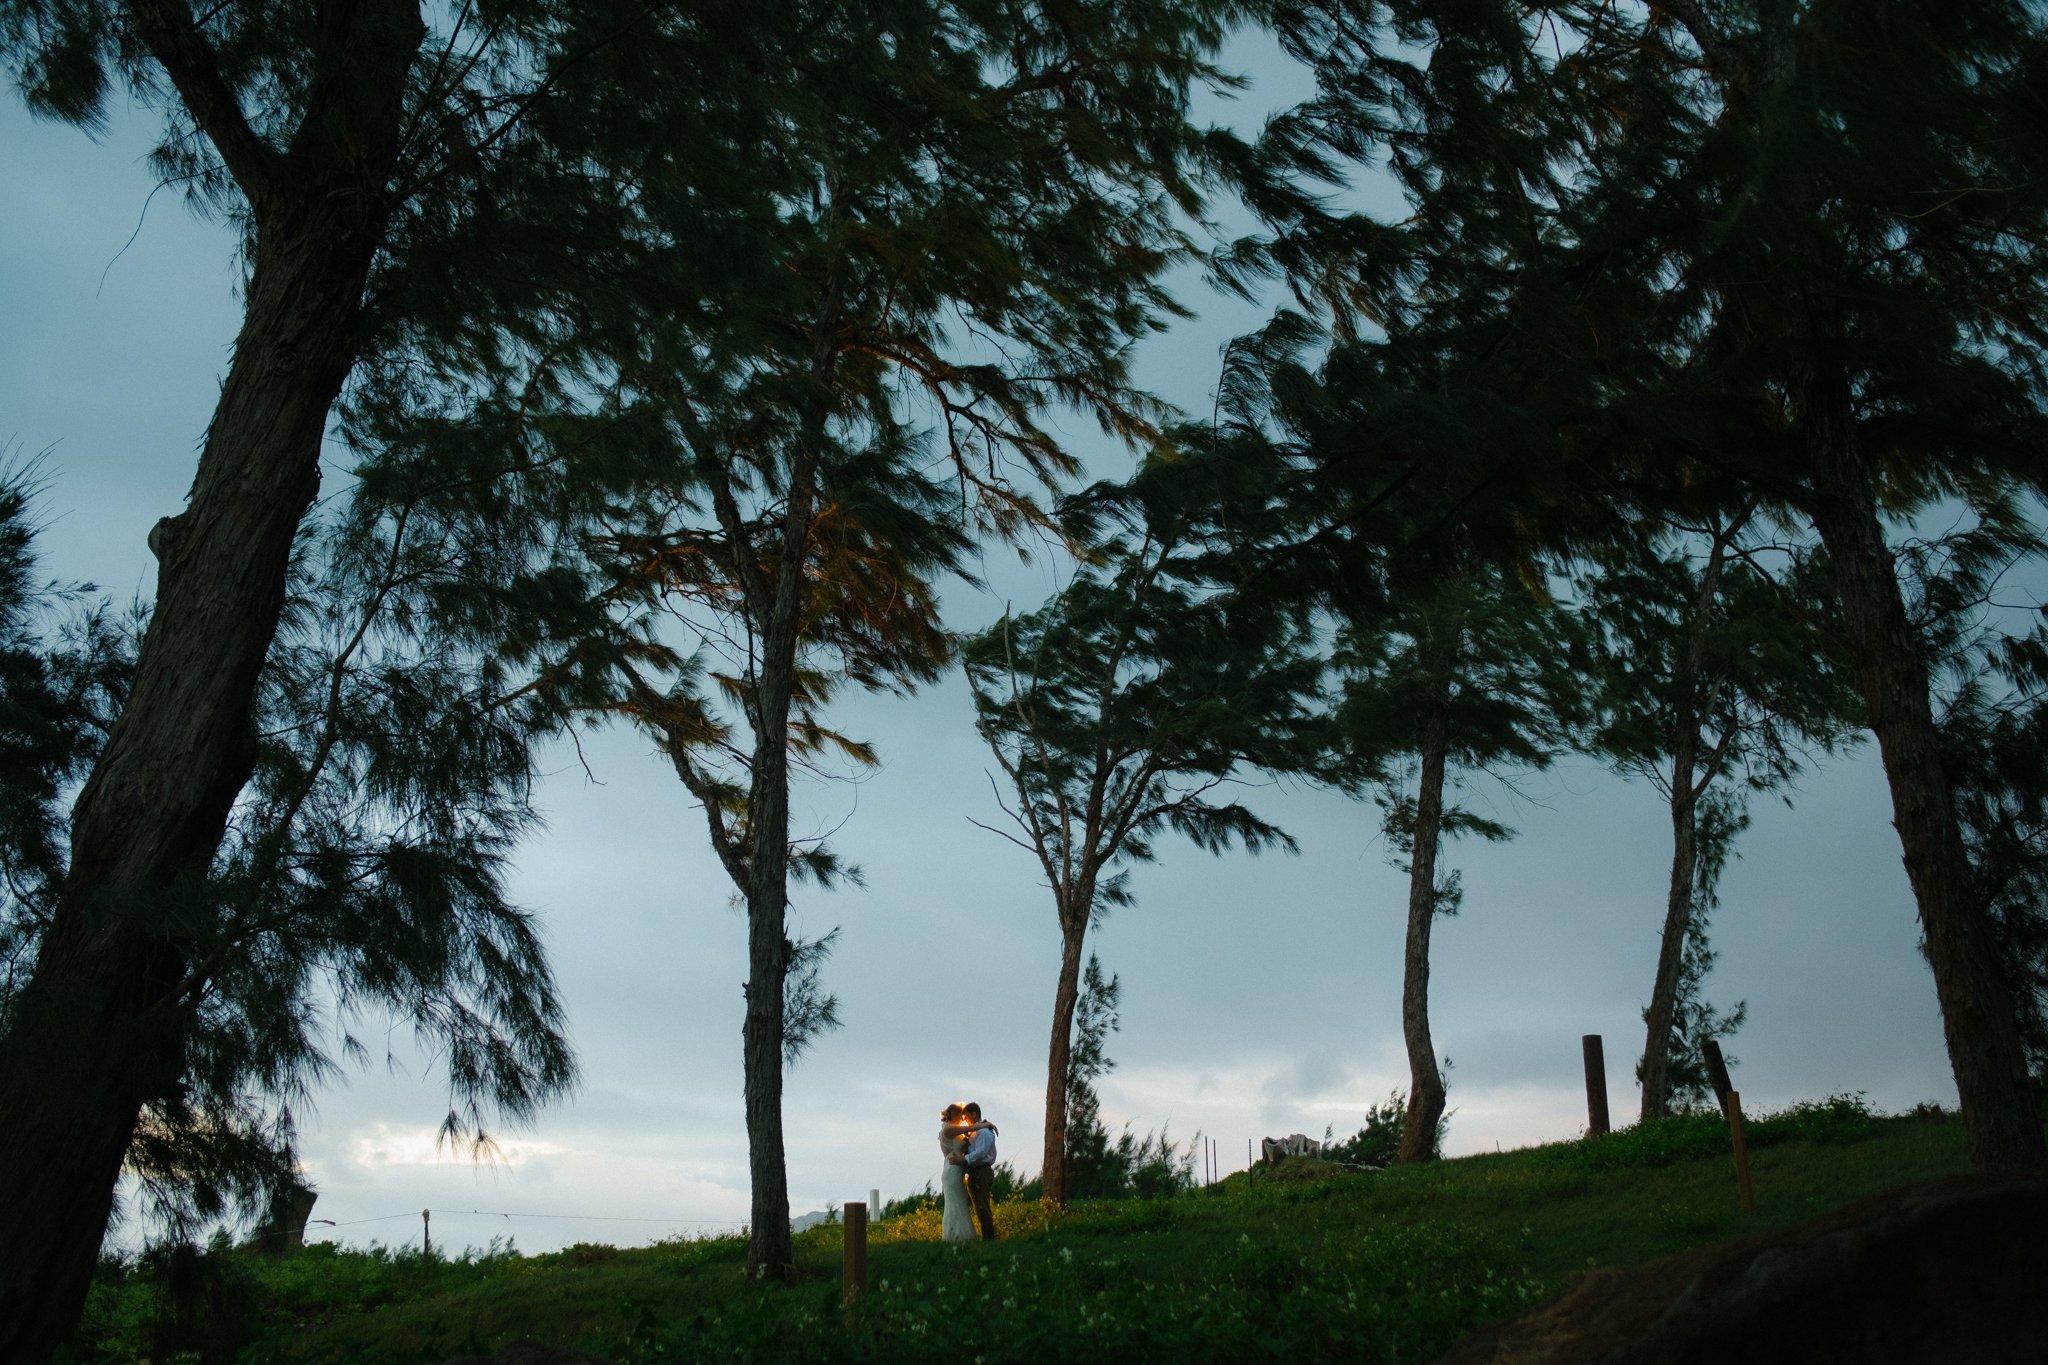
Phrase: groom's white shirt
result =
(981, 1148)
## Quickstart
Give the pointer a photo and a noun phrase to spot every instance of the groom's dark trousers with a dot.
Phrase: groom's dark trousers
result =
(981, 1179)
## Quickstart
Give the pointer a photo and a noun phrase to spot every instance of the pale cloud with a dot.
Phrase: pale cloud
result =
(385, 1146)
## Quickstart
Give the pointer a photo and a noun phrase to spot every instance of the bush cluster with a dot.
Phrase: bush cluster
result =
(1834, 1121)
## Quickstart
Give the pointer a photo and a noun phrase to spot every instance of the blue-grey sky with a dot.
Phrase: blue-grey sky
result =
(1260, 996)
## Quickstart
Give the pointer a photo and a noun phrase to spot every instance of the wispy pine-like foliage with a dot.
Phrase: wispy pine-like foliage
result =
(840, 270)
(362, 879)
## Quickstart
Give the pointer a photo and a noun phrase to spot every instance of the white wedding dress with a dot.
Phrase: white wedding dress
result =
(958, 1222)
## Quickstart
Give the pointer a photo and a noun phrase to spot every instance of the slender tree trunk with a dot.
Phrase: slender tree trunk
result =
(94, 1036)
(1686, 789)
(1677, 924)
(769, 1250)
(770, 1253)
(2001, 1114)
(1053, 1178)
(1426, 1082)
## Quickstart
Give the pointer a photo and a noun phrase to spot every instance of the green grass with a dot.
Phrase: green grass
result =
(1306, 1263)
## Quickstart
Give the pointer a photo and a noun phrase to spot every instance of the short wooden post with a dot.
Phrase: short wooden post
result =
(1742, 1186)
(426, 1236)
(1731, 1105)
(1717, 1072)
(1596, 1086)
(853, 1280)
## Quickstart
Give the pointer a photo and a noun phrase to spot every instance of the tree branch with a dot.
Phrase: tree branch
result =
(167, 30)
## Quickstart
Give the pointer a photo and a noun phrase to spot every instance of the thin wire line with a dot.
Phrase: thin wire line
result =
(600, 1217)
(498, 1213)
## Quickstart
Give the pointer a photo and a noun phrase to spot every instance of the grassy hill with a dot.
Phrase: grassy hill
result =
(1306, 1262)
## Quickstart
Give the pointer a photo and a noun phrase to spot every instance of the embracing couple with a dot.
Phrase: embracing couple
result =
(969, 1146)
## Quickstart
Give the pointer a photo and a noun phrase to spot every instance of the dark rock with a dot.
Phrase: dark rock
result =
(1950, 1270)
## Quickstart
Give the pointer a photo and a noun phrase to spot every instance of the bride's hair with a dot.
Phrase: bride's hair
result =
(952, 1113)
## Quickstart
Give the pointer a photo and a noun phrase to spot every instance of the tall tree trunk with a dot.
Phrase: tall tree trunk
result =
(769, 1249)
(2001, 1114)
(1058, 1053)
(1686, 789)
(1677, 924)
(780, 605)
(95, 1034)
(770, 1253)
(1426, 1082)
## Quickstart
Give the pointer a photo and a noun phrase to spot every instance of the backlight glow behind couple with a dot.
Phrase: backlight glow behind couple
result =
(969, 1145)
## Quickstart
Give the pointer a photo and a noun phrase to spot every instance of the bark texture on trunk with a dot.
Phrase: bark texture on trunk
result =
(2001, 1111)
(2001, 1114)
(769, 1250)
(770, 1253)
(1058, 1055)
(95, 1035)
(1426, 1082)
(1687, 786)
(778, 601)
(1677, 924)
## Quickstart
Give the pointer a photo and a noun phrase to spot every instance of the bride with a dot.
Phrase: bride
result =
(958, 1222)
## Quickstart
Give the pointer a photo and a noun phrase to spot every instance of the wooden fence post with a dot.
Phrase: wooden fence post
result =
(1742, 1187)
(1731, 1105)
(853, 1280)
(1596, 1087)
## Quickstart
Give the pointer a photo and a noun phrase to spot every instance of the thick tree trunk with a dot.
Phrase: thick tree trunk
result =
(1058, 1053)
(2001, 1114)
(1426, 1082)
(95, 1035)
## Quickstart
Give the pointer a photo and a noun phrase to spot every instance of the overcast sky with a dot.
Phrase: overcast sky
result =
(1260, 995)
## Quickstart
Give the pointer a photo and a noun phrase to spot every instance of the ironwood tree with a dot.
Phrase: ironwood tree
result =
(1967, 592)
(360, 879)
(1712, 678)
(1877, 312)
(337, 138)
(1124, 709)
(1789, 251)
(1419, 512)
(1468, 672)
(941, 226)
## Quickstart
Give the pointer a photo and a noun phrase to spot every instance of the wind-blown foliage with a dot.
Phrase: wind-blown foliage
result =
(362, 879)
(64, 663)
(348, 144)
(1713, 677)
(839, 281)
(1089, 1151)
(1692, 254)
(1122, 710)
(1991, 665)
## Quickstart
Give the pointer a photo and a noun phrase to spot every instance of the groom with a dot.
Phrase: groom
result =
(981, 1172)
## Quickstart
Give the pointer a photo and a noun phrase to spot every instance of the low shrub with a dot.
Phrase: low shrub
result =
(1835, 1121)
(1378, 1143)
